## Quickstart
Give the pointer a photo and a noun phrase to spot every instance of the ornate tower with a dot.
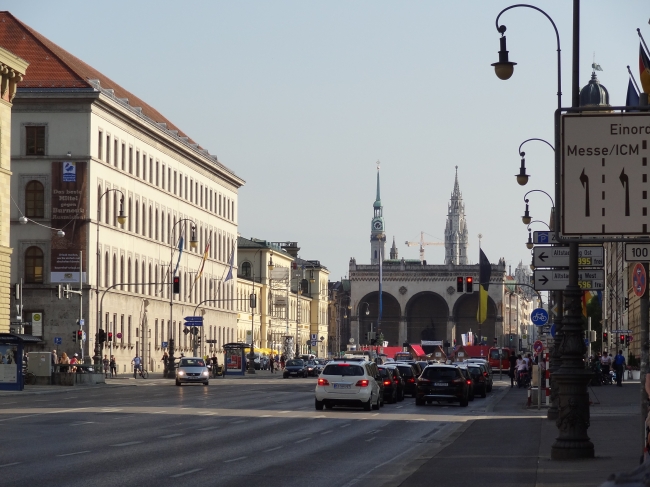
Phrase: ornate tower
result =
(456, 235)
(393, 251)
(377, 233)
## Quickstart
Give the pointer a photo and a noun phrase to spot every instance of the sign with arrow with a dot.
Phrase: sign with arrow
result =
(194, 321)
(558, 279)
(588, 256)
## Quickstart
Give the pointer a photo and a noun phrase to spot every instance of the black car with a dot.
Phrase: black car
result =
(312, 369)
(479, 380)
(295, 367)
(410, 374)
(442, 383)
(393, 384)
(468, 377)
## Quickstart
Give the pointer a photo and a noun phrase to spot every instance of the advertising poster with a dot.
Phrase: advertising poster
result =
(8, 366)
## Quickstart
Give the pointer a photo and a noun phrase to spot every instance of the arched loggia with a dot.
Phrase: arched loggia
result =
(465, 311)
(426, 317)
(389, 325)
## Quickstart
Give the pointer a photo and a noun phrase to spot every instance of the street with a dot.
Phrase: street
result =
(262, 430)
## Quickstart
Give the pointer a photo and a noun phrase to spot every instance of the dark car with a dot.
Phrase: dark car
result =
(409, 373)
(295, 367)
(393, 384)
(480, 383)
(442, 383)
(468, 377)
(486, 368)
(312, 369)
(416, 366)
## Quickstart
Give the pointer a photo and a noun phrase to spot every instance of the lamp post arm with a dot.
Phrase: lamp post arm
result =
(528, 140)
(539, 191)
(538, 221)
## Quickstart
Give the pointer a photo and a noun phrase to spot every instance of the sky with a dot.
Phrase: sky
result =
(301, 99)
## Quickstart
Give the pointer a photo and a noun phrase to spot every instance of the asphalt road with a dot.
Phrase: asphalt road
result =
(264, 431)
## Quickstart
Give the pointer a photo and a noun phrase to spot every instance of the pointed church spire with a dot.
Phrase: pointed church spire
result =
(456, 193)
(393, 251)
(378, 199)
(456, 234)
(377, 235)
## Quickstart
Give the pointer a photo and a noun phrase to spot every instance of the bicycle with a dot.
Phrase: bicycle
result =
(30, 378)
(143, 373)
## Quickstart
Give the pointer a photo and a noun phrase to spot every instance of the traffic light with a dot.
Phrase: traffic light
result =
(622, 339)
(80, 335)
(605, 337)
(198, 340)
(74, 337)
(101, 336)
(110, 336)
(627, 340)
(470, 284)
(627, 303)
(177, 285)
(459, 284)
(253, 300)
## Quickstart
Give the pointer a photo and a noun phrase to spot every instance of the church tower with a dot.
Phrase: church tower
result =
(377, 233)
(456, 235)
(393, 251)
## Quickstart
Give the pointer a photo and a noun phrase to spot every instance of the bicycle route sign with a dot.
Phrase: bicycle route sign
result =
(539, 317)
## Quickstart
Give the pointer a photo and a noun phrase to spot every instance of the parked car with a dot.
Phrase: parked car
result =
(192, 370)
(295, 367)
(480, 383)
(353, 383)
(393, 383)
(442, 383)
(409, 373)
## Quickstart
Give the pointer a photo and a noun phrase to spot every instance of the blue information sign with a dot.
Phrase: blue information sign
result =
(539, 317)
(58, 341)
(194, 321)
(553, 330)
(164, 344)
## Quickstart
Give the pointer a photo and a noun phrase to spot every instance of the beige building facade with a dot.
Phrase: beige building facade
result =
(12, 70)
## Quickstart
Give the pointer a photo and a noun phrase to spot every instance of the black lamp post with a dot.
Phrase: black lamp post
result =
(522, 177)
(571, 378)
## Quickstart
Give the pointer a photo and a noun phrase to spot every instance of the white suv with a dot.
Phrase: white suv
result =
(348, 383)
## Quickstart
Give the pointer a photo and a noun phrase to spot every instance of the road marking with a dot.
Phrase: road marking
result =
(272, 449)
(303, 440)
(208, 428)
(10, 464)
(326, 432)
(320, 416)
(284, 412)
(370, 439)
(19, 417)
(266, 416)
(75, 453)
(207, 414)
(237, 422)
(83, 422)
(344, 425)
(185, 473)
(374, 414)
(12, 402)
(158, 412)
(129, 443)
(173, 435)
(399, 407)
(234, 460)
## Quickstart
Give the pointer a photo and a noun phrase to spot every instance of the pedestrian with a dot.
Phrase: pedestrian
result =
(272, 364)
(64, 361)
(619, 365)
(136, 366)
(106, 363)
(113, 366)
(282, 362)
(74, 360)
(512, 359)
(55, 359)
(215, 364)
(605, 364)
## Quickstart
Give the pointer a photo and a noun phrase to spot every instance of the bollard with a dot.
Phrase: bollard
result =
(548, 396)
(530, 399)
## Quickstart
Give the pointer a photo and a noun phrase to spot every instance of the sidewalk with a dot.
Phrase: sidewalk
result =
(515, 451)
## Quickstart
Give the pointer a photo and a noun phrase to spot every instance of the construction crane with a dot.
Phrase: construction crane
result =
(422, 243)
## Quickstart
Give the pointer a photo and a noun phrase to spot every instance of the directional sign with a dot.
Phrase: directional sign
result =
(58, 341)
(639, 281)
(539, 317)
(546, 329)
(625, 332)
(603, 162)
(557, 279)
(544, 238)
(638, 252)
(588, 256)
(83, 336)
(194, 321)
(82, 322)
(164, 344)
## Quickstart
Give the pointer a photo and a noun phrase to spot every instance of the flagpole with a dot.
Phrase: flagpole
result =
(633, 80)
(638, 31)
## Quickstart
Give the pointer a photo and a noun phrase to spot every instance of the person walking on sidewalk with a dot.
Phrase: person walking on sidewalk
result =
(619, 366)
(513, 365)
(272, 364)
(106, 364)
(113, 366)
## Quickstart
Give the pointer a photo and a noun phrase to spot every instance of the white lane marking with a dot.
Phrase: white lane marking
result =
(75, 453)
(186, 473)
(173, 435)
(266, 416)
(370, 439)
(208, 428)
(304, 439)
(272, 449)
(374, 414)
(129, 443)
(320, 416)
(12, 402)
(10, 464)
(326, 432)
(284, 412)
(82, 422)
(234, 459)
(344, 425)
(19, 417)
(158, 412)
(399, 407)
(237, 422)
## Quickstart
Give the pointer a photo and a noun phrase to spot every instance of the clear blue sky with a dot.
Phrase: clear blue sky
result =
(301, 98)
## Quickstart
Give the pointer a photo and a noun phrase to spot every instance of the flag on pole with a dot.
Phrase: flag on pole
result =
(596, 67)
(232, 261)
(180, 252)
(485, 272)
(205, 257)
(632, 98)
(644, 69)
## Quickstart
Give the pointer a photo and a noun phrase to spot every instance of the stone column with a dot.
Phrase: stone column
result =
(402, 330)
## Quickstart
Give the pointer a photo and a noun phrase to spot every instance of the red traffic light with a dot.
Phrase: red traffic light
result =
(177, 285)
(110, 336)
(80, 334)
(470, 284)
(622, 339)
(459, 284)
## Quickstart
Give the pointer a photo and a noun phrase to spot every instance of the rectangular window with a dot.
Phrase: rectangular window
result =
(137, 163)
(157, 173)
(191, 192)
(123, 157)
(100, 148)
(151, 170)
(35, 139)
(185, 187)
(144, 166)
(122, 329)
(169, 179)
(108, 148)
(130, 160)
(175, 192)
(129, 331)
(115, 152)
(163, 176)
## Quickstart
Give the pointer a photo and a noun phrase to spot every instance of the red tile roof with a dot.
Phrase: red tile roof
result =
(51, 66)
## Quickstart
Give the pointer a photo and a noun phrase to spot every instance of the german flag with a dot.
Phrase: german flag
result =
(644, 69)
(485, 272)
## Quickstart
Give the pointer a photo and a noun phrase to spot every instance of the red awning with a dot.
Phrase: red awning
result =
(418, 350)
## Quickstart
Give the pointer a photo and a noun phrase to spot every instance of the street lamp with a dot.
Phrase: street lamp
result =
(23, 220)
(504, 67)
(527, 219)
(522, 177)
(121, 218)
(529, 243)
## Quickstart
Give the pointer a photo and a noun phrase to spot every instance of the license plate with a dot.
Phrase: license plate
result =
(341, 386)
(441, 384)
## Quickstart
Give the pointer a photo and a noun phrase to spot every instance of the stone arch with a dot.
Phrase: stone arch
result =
(426, 317)
(390, 317)
(465, 317)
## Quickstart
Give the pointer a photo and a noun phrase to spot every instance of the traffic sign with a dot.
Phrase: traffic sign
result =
(638, 252)
(313, 343)
(118, 335)
(164, 345)
(639, 279)
(601, 170)
(210, 341)
(588, 256)
(625, 332)
(544, 238)
(546, 329)
(538, 346)
(82, 322)
(194, 321)
(553, 330)
(58, 341)
(314, 336)
(539, 317)
(557, 280)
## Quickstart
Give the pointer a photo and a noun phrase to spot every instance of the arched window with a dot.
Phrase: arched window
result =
(34, 200)
(128, 273)
(144, 220)
(99, 204)
(34, 265)
(246, 269)
(130, 215)
(137, 217)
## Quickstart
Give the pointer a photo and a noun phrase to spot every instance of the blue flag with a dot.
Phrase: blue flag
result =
(632, 98)
(180, 252)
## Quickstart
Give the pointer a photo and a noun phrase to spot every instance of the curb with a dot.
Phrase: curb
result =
(63, 390)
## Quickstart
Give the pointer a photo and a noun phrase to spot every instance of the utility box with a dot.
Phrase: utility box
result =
(40, 364)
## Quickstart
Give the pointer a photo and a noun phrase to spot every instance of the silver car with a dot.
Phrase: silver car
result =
(192, 369)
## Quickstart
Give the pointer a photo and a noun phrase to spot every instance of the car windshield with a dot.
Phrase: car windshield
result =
(343, 369)
(384, 372)
(439, 373)
(298, 363)
(494, 354)
(406, 370)
(474, 370)
(311, 363)
(192, 362)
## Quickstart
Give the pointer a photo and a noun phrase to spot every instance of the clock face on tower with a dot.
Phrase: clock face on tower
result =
(377, 225)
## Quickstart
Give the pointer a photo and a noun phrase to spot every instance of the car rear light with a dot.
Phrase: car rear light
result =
(396, 381)
(386, 382)
(485, 374)
(323, 382)
(469, 382)
(410, 379)
(362, 383)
